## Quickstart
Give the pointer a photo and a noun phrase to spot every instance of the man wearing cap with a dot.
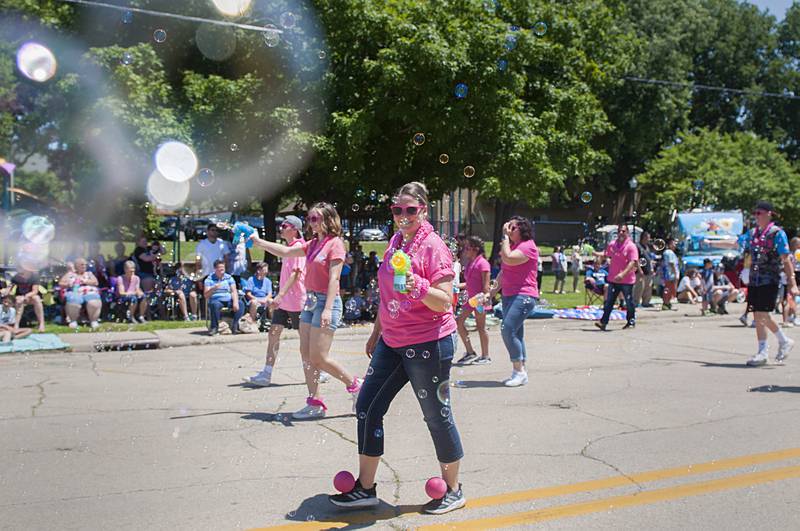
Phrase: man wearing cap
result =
(289, 301)
(768, 250)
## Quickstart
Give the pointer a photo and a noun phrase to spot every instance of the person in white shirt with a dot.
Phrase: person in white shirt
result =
(8, 321)
(210, 250)
(690, 288)
(575, 267)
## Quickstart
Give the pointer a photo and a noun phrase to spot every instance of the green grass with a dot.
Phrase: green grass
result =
(150, 326)
(568, 299)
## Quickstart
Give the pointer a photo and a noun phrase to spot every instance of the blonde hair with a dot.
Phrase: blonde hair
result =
(331, 223)
(414, 189)
(130, 264)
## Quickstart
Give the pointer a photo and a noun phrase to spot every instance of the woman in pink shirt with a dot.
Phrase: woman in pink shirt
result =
(517, 280)
(324, 254)
(288, 303)
(413, 340)
(476, 277)
(129, 292)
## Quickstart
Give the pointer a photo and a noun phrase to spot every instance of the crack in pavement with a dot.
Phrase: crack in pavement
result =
(42, 396)
(248, 442)
(94, 364)
(579, 410)
(395, 474)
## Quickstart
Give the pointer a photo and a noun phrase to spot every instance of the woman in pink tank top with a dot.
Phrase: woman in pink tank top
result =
(324, 253)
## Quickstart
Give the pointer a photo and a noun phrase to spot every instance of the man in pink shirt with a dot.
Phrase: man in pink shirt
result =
(624, 258)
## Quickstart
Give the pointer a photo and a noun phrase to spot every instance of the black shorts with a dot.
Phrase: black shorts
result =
(797, 277)
(762, 298)
(288, 319)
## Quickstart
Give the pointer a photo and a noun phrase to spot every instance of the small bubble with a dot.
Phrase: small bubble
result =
(422, 393)
(288, 20)
(127, 17)
(461, 91)
(205, 177)
(355, 207)
(362, 415)
(418, 139)
(540, 28)
(510, 43)
(410, 353)
(235, 204)
(271, 36)
(159, 35)
(234, 147)
(586, 197)
(378, 433)
(445, 411)
(127, 58)
(444, 158)
(322, 54)
(469, 172)
(502, 65)
(426, 354)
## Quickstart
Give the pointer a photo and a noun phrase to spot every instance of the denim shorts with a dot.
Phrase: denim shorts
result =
(312, 310)
(78, 298)
(130, 299)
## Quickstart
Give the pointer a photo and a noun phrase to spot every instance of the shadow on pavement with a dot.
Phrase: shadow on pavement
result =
(286, 418)
(471, 384)
(775, 389)
(718, 365)
(248, 385)
(319, 509)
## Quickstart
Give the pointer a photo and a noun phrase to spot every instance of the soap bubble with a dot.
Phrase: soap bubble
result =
(38, 230)
(232, 8)
(373, 195)
(234, 147)
(311, 302)
(540, 28)
(419, 139)
(426, 354)
(322, 54)
(205, 177)
(127, 58)
(502, 64)
(378, 433)
(355, 207)
(461, 91)
(435, 379)
(36, 62)
(288, 20)
(443, 393)
(422, 393)
(370, 370)
(127, 17)
(159, 35)
(643, 262)
(659, 244)
(410, 353)
(217, 43)
(586, 197)
(393, 306)
(445, 411)
(362, 415)
(176, 161)
(469, 172)
(491, 5)
(698, 184)
(271, 36)
(510, 43)
(444, 158)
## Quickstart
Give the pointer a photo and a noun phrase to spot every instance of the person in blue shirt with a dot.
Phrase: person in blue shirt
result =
(257, 290)
(595, 278)
(220, 291)
(767, 251)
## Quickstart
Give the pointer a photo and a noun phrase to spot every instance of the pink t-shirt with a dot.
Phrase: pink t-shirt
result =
(123, 285)
(318, 262)
(521, 279)
(473, 275)
(621, 254)
(293, 299)
(405, 321)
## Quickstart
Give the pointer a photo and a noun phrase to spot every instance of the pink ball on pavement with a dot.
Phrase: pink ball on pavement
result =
(344, 481)
(436, 488)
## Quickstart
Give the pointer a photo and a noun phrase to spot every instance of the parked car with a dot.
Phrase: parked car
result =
(168, 227)
(372, 235)
(196, 228)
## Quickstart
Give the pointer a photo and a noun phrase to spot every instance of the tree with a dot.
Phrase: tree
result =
(736, 170)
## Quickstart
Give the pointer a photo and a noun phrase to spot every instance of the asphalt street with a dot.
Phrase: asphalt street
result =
(660, 427)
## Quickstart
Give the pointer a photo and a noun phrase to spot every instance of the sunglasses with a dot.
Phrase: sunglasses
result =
(759, 212)
(286, 226)
(314, 218)
(409, 210)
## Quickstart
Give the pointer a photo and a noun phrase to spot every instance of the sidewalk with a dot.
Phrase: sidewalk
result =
(183, 337)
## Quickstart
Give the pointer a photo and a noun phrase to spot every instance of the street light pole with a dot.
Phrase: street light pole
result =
(633, 184)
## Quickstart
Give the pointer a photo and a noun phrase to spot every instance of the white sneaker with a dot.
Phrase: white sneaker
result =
(517, 379)
(142, 319)
(95, 325)
(324, 377)
(262, 379)
(758, 360)
(73, 325)
(309, 412)
(783, 350)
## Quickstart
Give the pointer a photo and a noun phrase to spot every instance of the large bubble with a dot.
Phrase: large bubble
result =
(36, 62)
(217, 43)
(176, 161)
(232, 8)
(38, 230)
(166, 193)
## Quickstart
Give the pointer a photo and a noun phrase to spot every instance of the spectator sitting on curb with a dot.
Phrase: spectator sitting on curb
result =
(26, 287)
(8, 327)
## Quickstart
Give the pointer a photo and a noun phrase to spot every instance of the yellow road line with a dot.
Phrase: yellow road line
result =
(561, 490)
(630, 500)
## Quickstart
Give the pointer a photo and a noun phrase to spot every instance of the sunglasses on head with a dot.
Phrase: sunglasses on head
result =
(397, 210)
(313, 218)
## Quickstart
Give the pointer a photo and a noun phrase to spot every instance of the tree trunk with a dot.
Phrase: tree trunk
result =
(269, 209)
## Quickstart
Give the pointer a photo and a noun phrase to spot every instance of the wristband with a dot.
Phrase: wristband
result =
(421, 288)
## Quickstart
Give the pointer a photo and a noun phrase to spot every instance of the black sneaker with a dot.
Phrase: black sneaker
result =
(454, 499)
(467, 359)
(629, 325)
(601, 326)
(356, 498)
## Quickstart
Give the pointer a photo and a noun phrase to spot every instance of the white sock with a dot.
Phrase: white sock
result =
(781, 337)
(762, 346)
